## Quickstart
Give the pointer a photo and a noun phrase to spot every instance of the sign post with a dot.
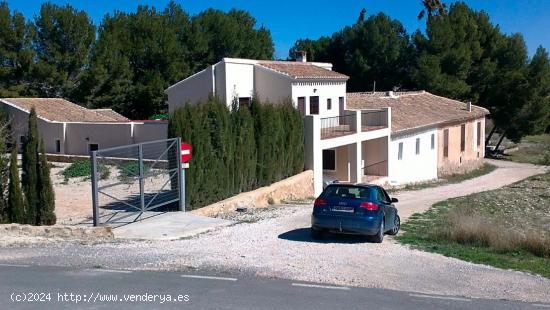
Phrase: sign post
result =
(185, 156)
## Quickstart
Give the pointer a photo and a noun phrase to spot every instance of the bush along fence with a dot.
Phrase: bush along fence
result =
(238, 149)
(28, 199)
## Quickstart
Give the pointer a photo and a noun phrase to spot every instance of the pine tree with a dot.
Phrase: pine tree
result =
(46, 208)
(16, 205)
(30, 171)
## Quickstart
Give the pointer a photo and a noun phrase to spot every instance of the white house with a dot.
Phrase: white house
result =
(352, 143)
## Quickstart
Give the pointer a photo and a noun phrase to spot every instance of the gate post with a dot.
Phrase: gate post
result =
(95, 206)
(181, 177)
(141, 185)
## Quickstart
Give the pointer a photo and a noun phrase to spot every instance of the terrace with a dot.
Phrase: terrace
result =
(343, 125)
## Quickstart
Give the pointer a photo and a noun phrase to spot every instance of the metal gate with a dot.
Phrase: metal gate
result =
(136, 181)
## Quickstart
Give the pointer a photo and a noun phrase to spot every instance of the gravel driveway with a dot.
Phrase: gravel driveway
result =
(278, 245)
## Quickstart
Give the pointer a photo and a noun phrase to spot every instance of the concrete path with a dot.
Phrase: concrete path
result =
(505, 174)
(169, 226)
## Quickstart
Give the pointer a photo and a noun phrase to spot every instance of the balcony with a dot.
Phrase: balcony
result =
(337, 126)
(347, 124)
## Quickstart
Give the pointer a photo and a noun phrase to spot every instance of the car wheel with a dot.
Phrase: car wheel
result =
(379, 237)
(316, 233)
(396, 226)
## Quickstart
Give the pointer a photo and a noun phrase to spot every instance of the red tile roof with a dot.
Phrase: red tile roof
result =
(302, 70)
(61, 110)
(416, 109)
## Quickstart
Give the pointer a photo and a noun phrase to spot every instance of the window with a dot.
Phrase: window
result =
(346, 191)
(302, 105)
(433, 141)
(446, 143)
(417, 146)
(244, 102)
(93, 147)
(478, 134)
(382, 196)
(314, 105)
(462, 137)
(57, 146)
(329, 104)
(400, 151)
(22, 140)
(329, 160)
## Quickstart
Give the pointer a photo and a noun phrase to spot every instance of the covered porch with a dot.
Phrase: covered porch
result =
(364, 162)
(355, 154)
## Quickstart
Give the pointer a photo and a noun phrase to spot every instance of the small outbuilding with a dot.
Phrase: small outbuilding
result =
(68, 128)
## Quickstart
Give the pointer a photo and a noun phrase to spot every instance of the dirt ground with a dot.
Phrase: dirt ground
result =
(73, 197)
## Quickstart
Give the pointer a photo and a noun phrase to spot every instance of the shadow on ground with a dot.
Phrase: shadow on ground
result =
(303, 235)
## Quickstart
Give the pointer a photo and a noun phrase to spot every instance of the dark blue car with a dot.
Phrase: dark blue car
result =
(357, 209)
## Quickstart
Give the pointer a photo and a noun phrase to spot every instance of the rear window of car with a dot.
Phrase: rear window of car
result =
(346, 192)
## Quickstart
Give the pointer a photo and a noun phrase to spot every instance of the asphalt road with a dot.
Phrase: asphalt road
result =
(66, 288)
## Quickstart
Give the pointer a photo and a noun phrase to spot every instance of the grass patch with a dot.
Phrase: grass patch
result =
(505, 228)
(533, 150)
(452, 179)
(82, 168)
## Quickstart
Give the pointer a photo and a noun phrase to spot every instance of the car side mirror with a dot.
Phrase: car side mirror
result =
(394, 200)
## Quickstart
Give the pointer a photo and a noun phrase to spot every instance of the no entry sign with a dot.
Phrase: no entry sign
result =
(186, 152)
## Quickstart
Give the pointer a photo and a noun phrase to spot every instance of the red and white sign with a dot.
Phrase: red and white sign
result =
(186, 152)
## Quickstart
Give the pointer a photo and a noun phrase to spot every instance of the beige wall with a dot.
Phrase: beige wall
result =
(79, 135)
(461, 161)
(150, 131)
(49, 132)
(375, 152)
(342, 164)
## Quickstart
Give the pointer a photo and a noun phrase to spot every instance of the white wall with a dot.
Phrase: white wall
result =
(324, 90)
(194, 89)
(413, 167)
(239, 82)
(270, 85)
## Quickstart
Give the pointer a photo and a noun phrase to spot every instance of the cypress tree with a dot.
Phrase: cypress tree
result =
(16, 205)
(46, 208)
(4, 168)
(30, 171)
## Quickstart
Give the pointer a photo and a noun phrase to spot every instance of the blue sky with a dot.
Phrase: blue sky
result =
(291, 20)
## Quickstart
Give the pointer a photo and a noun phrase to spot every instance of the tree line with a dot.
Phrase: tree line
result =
(127, 61)
(240, 149)
(27, 198)
(462, 55)
(124, 63)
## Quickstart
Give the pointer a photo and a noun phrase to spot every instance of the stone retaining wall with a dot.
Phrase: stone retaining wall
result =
(56, 231)
(297, 187)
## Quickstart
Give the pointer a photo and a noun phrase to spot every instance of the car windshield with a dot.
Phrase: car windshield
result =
(346, 192)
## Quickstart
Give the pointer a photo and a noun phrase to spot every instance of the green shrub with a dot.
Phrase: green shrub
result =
(130, 169)
(82, 168)
(239, 149)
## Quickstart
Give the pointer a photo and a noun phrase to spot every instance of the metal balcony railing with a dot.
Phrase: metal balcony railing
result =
(337, 126)
(374, 119)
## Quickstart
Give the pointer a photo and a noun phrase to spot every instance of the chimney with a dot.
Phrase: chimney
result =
(469, 106)
(301, 56)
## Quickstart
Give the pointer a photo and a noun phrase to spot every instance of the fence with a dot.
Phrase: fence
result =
(129, 181)
(373, 119)
(337, 126)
